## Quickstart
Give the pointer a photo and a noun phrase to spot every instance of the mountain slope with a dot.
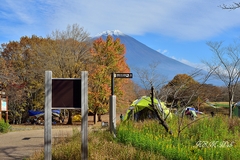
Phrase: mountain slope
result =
(140, 56)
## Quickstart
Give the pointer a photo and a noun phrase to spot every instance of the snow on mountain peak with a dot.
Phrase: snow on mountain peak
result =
(112, 33)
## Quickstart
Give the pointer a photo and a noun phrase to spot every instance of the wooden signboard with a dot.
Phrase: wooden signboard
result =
(66, 93)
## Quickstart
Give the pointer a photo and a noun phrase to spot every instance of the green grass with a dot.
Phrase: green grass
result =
(101, 146)
(222, 104)
(220, 108)
(208, 138)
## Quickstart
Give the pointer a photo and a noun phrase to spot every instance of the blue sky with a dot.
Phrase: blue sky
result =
(178, 29)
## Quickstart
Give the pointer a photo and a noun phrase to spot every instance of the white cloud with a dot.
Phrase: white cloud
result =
(163, 51)
(189, 63)
(23, 18)
(190, 20)
(195, 65)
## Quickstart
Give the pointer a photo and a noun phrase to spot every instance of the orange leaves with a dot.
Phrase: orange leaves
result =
(110, 53)
(107, 57)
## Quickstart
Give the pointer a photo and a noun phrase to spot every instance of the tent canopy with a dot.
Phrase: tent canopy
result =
(143, 102)
(55, 112)
(142, 108)
(237, 104)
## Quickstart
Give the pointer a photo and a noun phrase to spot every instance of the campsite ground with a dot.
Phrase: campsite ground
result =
(24, 140)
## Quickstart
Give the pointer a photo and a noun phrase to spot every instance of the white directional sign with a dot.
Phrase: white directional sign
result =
(123, 75)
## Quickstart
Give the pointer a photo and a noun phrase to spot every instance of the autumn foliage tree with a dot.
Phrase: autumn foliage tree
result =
(183, 90)
(24, 63)
(12, 86)
(180, 89)
(70, 51)
(70, 54)
(26, 86)
(108, 56)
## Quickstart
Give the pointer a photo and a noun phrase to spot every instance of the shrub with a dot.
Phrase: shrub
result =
(4, 126)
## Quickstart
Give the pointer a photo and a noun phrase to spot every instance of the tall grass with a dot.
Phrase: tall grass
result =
(209, 138)
(101, 146)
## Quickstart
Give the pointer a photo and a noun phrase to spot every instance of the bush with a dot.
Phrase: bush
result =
(4, 126)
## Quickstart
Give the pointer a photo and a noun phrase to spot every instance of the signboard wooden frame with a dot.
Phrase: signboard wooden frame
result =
(83, 96)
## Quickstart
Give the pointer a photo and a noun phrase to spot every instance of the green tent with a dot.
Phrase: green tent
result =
(236, 109)
(140, 109)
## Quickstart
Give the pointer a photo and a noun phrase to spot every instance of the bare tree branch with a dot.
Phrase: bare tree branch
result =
(233, 6)
(226, 65)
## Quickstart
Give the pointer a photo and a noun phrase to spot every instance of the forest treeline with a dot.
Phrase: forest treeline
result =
(66, 54)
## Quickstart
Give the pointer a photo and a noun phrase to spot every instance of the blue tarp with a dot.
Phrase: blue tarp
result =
(193, 109)
(34, 113)
(40, 113)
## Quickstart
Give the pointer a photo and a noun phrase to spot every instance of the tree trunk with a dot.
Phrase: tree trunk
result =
(230, 93)
(99, 118)
(69, 117)
(95, 118)
(162, 122)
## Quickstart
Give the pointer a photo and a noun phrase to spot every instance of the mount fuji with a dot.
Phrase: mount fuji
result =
(140, 56)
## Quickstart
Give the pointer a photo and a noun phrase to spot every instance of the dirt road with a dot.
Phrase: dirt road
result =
(22, 144)
(23, 141)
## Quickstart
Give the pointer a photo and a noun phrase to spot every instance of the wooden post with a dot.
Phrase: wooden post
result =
(84, 113)
(0, 105)
(48, 116)
(6, 108)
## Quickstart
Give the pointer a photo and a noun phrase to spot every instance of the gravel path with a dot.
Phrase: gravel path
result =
(21, 144)
(24, 140)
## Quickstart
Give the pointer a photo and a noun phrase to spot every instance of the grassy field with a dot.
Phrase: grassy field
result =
(101, 146)
(218, 108)
(207, 138)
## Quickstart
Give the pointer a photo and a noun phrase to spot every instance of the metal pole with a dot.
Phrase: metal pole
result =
(112, 84)
(84, 112)
(112, 108)
(112, 115)
(48, 116)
